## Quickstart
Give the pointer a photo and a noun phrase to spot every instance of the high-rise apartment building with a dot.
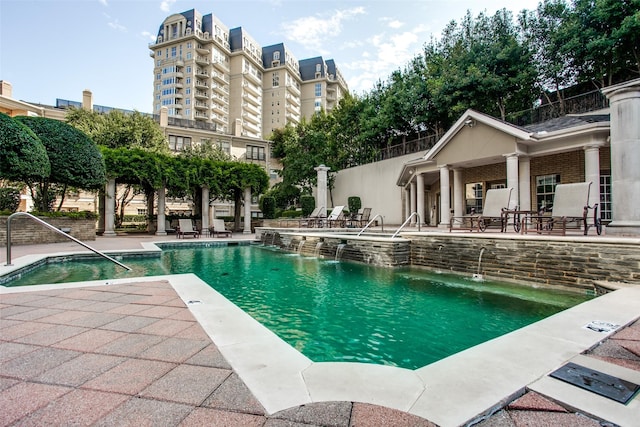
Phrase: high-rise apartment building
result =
(281, 88)
(225, 80)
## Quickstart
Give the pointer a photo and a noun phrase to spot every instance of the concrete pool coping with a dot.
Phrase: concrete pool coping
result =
(280, 377)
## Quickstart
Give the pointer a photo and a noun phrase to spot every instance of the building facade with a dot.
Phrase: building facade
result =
(206, 72)
(179, 134)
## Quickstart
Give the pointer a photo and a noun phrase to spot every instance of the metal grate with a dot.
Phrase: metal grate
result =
(597, 382)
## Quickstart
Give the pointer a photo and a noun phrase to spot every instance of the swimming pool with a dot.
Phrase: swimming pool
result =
(339, 311)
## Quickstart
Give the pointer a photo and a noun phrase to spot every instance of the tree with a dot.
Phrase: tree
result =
(74, 157)
(117, 129)
(605, 40)
(236, 177)
(23, 157)
(544, 30)
(205, 150)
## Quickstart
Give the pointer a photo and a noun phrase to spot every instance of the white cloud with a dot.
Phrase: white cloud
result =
(104, 2)
(114, 24)
(165, 5)
(387, 52)
(117, 26)
(148, 35)
(392, 23)
(313, 31)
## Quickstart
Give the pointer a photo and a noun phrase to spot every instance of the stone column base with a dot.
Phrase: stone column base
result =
(623, 228)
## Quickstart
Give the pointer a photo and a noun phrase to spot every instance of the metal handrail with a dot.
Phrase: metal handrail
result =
(46, 224)
(405, 223)
(371, 222)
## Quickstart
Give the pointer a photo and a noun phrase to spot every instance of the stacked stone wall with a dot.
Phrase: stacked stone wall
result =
(564, 263)
(568, 264)
(26, 231)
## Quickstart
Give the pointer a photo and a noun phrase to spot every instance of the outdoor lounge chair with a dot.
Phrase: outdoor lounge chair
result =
(360, 219)
(570, 205)
(335, 218)
(218, 229)
(494, 211)
(312, 219)
(186, 228)
(168, 228)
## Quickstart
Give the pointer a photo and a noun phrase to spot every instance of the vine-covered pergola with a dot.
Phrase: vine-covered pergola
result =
(159, 173)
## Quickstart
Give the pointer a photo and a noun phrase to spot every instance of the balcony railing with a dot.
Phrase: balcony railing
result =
(583, 103)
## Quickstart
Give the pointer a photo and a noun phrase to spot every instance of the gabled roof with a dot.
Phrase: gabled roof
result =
(471, 118)
(556, 135)
(566, 122)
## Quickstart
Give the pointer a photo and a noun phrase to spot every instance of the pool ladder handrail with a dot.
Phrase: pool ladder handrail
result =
(407, 221)
(46, 224)
(371, 222)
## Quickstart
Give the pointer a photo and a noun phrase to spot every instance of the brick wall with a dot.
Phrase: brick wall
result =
(26, 231)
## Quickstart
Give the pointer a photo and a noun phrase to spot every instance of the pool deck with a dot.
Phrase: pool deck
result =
(169, 350)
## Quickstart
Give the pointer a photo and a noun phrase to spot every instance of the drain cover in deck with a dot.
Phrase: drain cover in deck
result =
(597, 382)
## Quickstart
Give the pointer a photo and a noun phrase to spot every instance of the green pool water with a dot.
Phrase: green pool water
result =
(341, 311)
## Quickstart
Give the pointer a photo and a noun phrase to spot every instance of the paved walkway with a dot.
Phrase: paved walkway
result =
(134, 354)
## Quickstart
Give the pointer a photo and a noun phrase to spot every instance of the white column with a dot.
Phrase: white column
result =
(205, 209)
(624, 102)
(110, 208)
(420, 197)
(592, 173)
(407, 202)
(414, 201)
(513, 180)
(321, 189)
(445, 200)
(247, 211)
(458, 193)
(524, 173)
(161, 229)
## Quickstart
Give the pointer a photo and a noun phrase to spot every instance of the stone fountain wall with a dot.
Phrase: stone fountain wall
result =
(559, 262)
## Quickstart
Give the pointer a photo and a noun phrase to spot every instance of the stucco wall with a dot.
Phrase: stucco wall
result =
(375, 184)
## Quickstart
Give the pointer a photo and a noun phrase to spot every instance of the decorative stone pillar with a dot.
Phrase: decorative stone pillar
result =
(161, 229)
(204, 208)
(445, 198)
(420, 196)
(513, 180)
(321, 193)
(524, 175)
(414, 201)
(110, 208)
(624, 100)
(247, 211)
(592, 173)
(458, 193)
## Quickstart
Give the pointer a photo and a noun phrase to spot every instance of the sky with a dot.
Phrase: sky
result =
(57, 48)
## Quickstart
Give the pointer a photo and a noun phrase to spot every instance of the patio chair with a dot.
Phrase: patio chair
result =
(168, 228)
(335, 218)
(570, 205)
(218, 229)
(312, 219)
(186, 228)
(360, 219)
(495, 208)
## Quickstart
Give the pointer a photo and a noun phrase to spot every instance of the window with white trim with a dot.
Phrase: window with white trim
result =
(545, 190)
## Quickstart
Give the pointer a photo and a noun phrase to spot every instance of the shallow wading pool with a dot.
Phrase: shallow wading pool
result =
(341, 311)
